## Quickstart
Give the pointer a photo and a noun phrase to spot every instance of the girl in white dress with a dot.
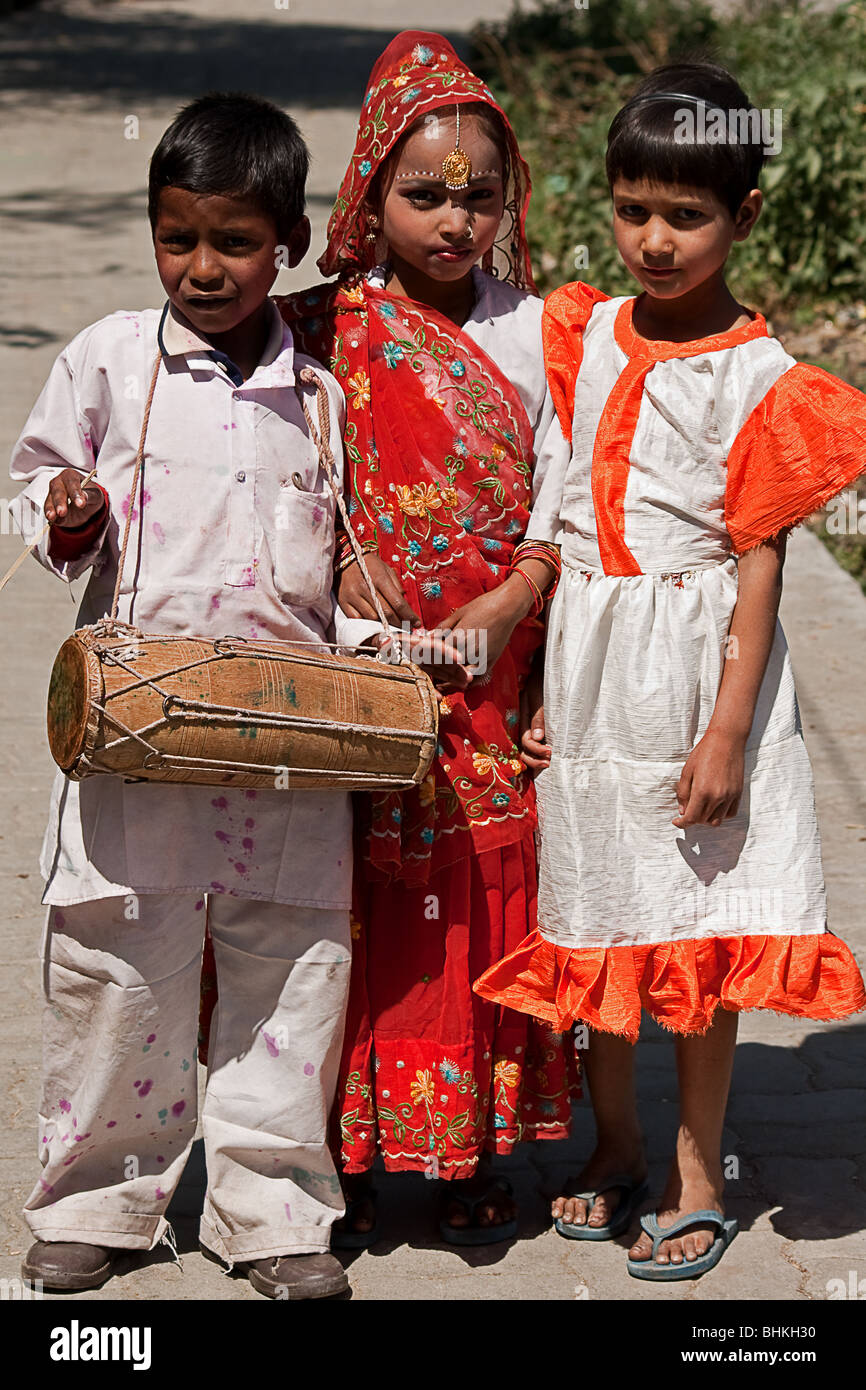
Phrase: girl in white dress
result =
(680, 867)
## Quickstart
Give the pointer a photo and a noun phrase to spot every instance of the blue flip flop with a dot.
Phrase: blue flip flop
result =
(689, 1269)
(634, 1193)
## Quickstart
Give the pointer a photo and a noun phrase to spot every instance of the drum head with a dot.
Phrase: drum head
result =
(68, 704)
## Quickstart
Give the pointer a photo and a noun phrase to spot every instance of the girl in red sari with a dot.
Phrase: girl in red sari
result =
(448, 419)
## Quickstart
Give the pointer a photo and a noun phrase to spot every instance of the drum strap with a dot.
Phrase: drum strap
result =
(326, 459)
(139, 459)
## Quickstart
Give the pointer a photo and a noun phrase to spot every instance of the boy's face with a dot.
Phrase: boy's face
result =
(424, 224)
(672, 238)
(217, 256)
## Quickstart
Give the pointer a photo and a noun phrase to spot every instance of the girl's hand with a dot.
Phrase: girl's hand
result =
(711, 783)
(354, 598)
(435, 655)
(67, 504)
(533, 729)
(492, 617)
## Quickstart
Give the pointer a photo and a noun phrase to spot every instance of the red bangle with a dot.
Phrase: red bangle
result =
(537, 596)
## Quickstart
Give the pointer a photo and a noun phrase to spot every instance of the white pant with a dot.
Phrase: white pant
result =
(119, 1072)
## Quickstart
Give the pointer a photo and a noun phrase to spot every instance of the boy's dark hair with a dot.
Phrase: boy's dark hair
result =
(642, 143)
(234, 145)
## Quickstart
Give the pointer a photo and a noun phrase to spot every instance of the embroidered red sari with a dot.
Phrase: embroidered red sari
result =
(439, 463)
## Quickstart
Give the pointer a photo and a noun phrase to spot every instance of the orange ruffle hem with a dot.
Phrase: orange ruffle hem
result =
(680, 983)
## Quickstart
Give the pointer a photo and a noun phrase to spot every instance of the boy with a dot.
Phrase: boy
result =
(222, 541)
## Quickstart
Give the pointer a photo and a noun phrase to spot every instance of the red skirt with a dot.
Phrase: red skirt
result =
(432, 1074)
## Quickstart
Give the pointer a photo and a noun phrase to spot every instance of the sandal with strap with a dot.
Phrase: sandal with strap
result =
(689, 1269)
(473, 1234)
(633, 1194)
(348, 1239)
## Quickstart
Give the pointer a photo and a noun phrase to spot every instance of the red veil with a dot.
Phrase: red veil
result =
(417, 73)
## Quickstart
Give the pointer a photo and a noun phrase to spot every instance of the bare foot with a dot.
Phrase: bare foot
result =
(606, 1160)
(680, 1197)
(357, 1188)
(499, 1207)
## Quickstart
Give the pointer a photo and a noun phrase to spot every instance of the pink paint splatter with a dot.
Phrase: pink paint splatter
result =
(111, 1124)
(151, 1038)
(250, 795)
(146, 1088)
(220, 803)
(240, 868)
(270, 1044)
(222, 836)
(250, 824)
(248, 844)
(215, 601)
(178, 1108)
(46, 1186)
(199, 905)
(159, 533)
(288, 1212)
(309, 1069)
(218, 887)
(138, 1116)
(159, 1191)
(65, 1106)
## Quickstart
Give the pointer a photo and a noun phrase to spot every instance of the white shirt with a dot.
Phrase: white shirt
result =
(229, 545)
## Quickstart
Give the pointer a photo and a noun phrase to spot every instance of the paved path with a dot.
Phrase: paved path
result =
(75, 245)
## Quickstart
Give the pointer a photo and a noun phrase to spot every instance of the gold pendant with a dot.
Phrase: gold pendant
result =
(456, 170)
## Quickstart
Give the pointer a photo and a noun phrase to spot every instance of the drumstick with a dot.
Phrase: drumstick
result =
(23, 556)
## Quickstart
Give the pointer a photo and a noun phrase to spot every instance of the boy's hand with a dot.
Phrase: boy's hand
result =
(67, 504)
(354, 598)
(711, 782)
(533, 729)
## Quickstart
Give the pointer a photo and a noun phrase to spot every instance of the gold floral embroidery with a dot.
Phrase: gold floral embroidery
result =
(422, 1088)
(419, 500)
(506, 1072)
(359, 386)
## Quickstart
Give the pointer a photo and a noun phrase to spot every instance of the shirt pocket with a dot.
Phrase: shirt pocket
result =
(304, 545)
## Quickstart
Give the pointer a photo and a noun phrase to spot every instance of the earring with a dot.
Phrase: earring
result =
(374, 222)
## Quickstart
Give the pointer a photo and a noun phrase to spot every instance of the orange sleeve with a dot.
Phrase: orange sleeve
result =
(803, 443)
(566, 313)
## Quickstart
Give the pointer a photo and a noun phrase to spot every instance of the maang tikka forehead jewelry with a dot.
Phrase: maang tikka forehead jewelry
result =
(457, 166)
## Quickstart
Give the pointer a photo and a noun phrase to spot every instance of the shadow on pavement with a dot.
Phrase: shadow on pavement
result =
(796, 1151)
(163, 55)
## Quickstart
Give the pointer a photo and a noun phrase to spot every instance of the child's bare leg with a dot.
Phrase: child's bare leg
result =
(695, 1177)
(609, 1070)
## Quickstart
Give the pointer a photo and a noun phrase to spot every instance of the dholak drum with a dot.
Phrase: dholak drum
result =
(237, 713)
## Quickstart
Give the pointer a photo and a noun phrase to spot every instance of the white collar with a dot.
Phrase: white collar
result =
(177, 337)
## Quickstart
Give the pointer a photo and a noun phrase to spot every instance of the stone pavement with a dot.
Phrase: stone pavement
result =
(75, 246)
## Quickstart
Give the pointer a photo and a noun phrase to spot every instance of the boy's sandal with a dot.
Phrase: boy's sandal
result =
(633, 1194)
(473, 1234)
(689, 1269)
(343, 1237)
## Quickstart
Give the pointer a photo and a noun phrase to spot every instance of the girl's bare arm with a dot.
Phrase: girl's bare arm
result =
(711, 784)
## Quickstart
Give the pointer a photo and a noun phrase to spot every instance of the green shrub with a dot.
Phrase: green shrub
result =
(562, 72)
